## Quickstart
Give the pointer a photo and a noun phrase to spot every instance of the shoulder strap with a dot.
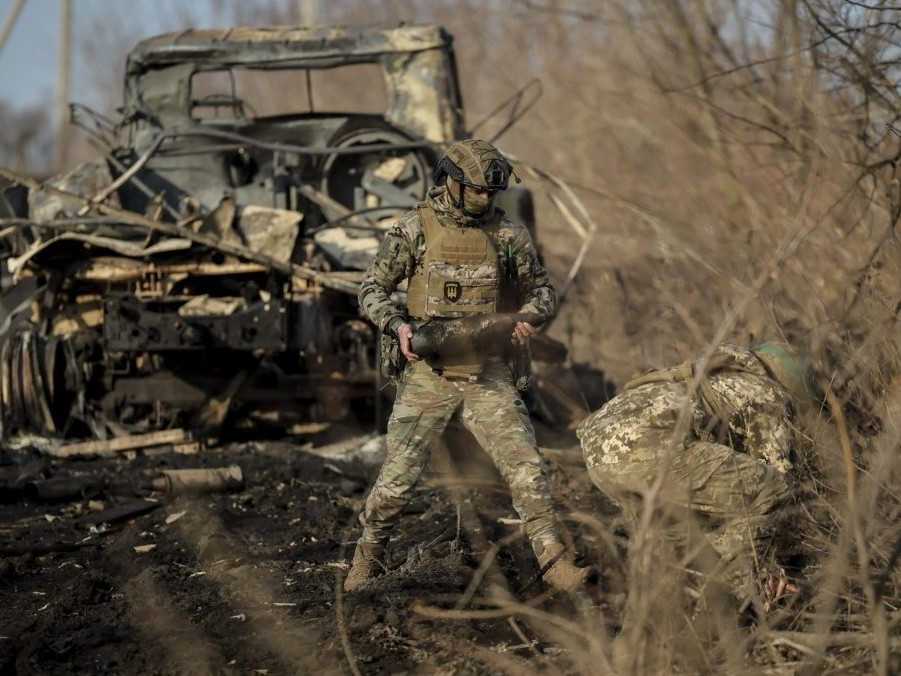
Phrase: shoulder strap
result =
(713, 404)
(685, 371)
(416, 287)
(429, 221)
(675, 374)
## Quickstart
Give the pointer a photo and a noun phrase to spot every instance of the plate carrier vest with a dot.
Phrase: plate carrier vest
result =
(458, 277)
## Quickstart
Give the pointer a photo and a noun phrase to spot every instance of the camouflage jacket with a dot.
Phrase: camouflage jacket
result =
(403, 249)
(760, 420)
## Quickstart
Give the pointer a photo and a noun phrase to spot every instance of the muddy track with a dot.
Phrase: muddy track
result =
(247, 581)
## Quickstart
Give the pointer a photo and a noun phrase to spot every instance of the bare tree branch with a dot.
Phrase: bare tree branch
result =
(864, 5)
(561, 11)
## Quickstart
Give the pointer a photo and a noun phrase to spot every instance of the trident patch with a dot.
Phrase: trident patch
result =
(452, 291)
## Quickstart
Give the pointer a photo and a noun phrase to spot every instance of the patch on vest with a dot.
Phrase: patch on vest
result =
(452, 291)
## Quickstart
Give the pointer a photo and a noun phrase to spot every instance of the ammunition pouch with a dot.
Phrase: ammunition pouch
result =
(391, 361)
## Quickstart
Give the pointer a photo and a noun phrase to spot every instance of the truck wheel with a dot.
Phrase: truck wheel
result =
(382, 178)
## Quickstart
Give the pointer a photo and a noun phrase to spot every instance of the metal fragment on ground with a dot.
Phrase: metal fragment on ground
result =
(111, 447)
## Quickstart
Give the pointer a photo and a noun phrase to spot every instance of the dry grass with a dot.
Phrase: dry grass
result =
(738, 202)
(768, 210)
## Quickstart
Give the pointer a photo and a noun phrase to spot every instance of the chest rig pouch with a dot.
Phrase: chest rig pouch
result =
(458, 277)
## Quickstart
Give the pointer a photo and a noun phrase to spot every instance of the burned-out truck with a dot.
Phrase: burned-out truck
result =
(205, 267)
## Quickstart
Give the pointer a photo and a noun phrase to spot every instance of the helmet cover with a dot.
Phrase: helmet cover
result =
(474, 163)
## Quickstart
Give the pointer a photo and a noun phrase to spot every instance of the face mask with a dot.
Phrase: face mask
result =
(475, 203)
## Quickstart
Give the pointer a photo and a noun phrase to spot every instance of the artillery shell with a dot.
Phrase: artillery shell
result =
(215, 480)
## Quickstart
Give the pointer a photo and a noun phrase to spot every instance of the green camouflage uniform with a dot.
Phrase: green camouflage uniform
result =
(734, 474)
(426, 402)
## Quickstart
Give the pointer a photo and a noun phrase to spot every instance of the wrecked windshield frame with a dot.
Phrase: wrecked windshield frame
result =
(253, 93)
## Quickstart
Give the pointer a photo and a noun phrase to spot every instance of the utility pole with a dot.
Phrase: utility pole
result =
(308, 11)
(62, 84)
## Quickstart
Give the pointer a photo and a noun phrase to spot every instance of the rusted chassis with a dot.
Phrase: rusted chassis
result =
(117, 364)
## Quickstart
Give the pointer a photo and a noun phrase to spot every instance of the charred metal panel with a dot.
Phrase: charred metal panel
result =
(130, 326)
(418, 61)
(282, 46)
(422, 95)
(162, 95)
(176, 391)
(13, 200)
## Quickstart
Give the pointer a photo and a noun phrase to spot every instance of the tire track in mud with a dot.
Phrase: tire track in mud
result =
(108, 614)
(177, 608)
(218, 584)
(185, 649)
(253, 594)
(203, 605)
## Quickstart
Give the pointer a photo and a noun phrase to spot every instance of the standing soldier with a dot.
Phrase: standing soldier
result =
(461, 257)
(732, 463)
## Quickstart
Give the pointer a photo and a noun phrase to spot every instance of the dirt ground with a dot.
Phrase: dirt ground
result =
(245, 582)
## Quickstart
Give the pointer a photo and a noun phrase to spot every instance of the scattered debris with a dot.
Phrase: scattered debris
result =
(124, 512)
(27, 442)
(14, 479)
(110, 447)
(144, 549)
(64, 488)
(172, 518)
(188, 448)
(366, 450)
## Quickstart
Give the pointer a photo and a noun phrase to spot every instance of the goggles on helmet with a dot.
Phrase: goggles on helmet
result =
(485, 167)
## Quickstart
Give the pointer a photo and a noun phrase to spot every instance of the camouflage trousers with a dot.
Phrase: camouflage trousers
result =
(735, 497)
(492, 410)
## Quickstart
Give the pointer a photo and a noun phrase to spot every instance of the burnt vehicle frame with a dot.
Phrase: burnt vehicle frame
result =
(209, 265)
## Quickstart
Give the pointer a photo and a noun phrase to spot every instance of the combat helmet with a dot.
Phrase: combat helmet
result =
(787, 366)
(476, 164)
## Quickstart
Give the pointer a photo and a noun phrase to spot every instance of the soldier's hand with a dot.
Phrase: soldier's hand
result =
(405, 335)
(523, 331)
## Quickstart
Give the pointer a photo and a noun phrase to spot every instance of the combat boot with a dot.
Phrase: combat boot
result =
(563, 574)
(366, 565)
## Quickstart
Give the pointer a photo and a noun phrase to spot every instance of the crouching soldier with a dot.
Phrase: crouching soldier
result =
(461, 257)
(731, 467)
